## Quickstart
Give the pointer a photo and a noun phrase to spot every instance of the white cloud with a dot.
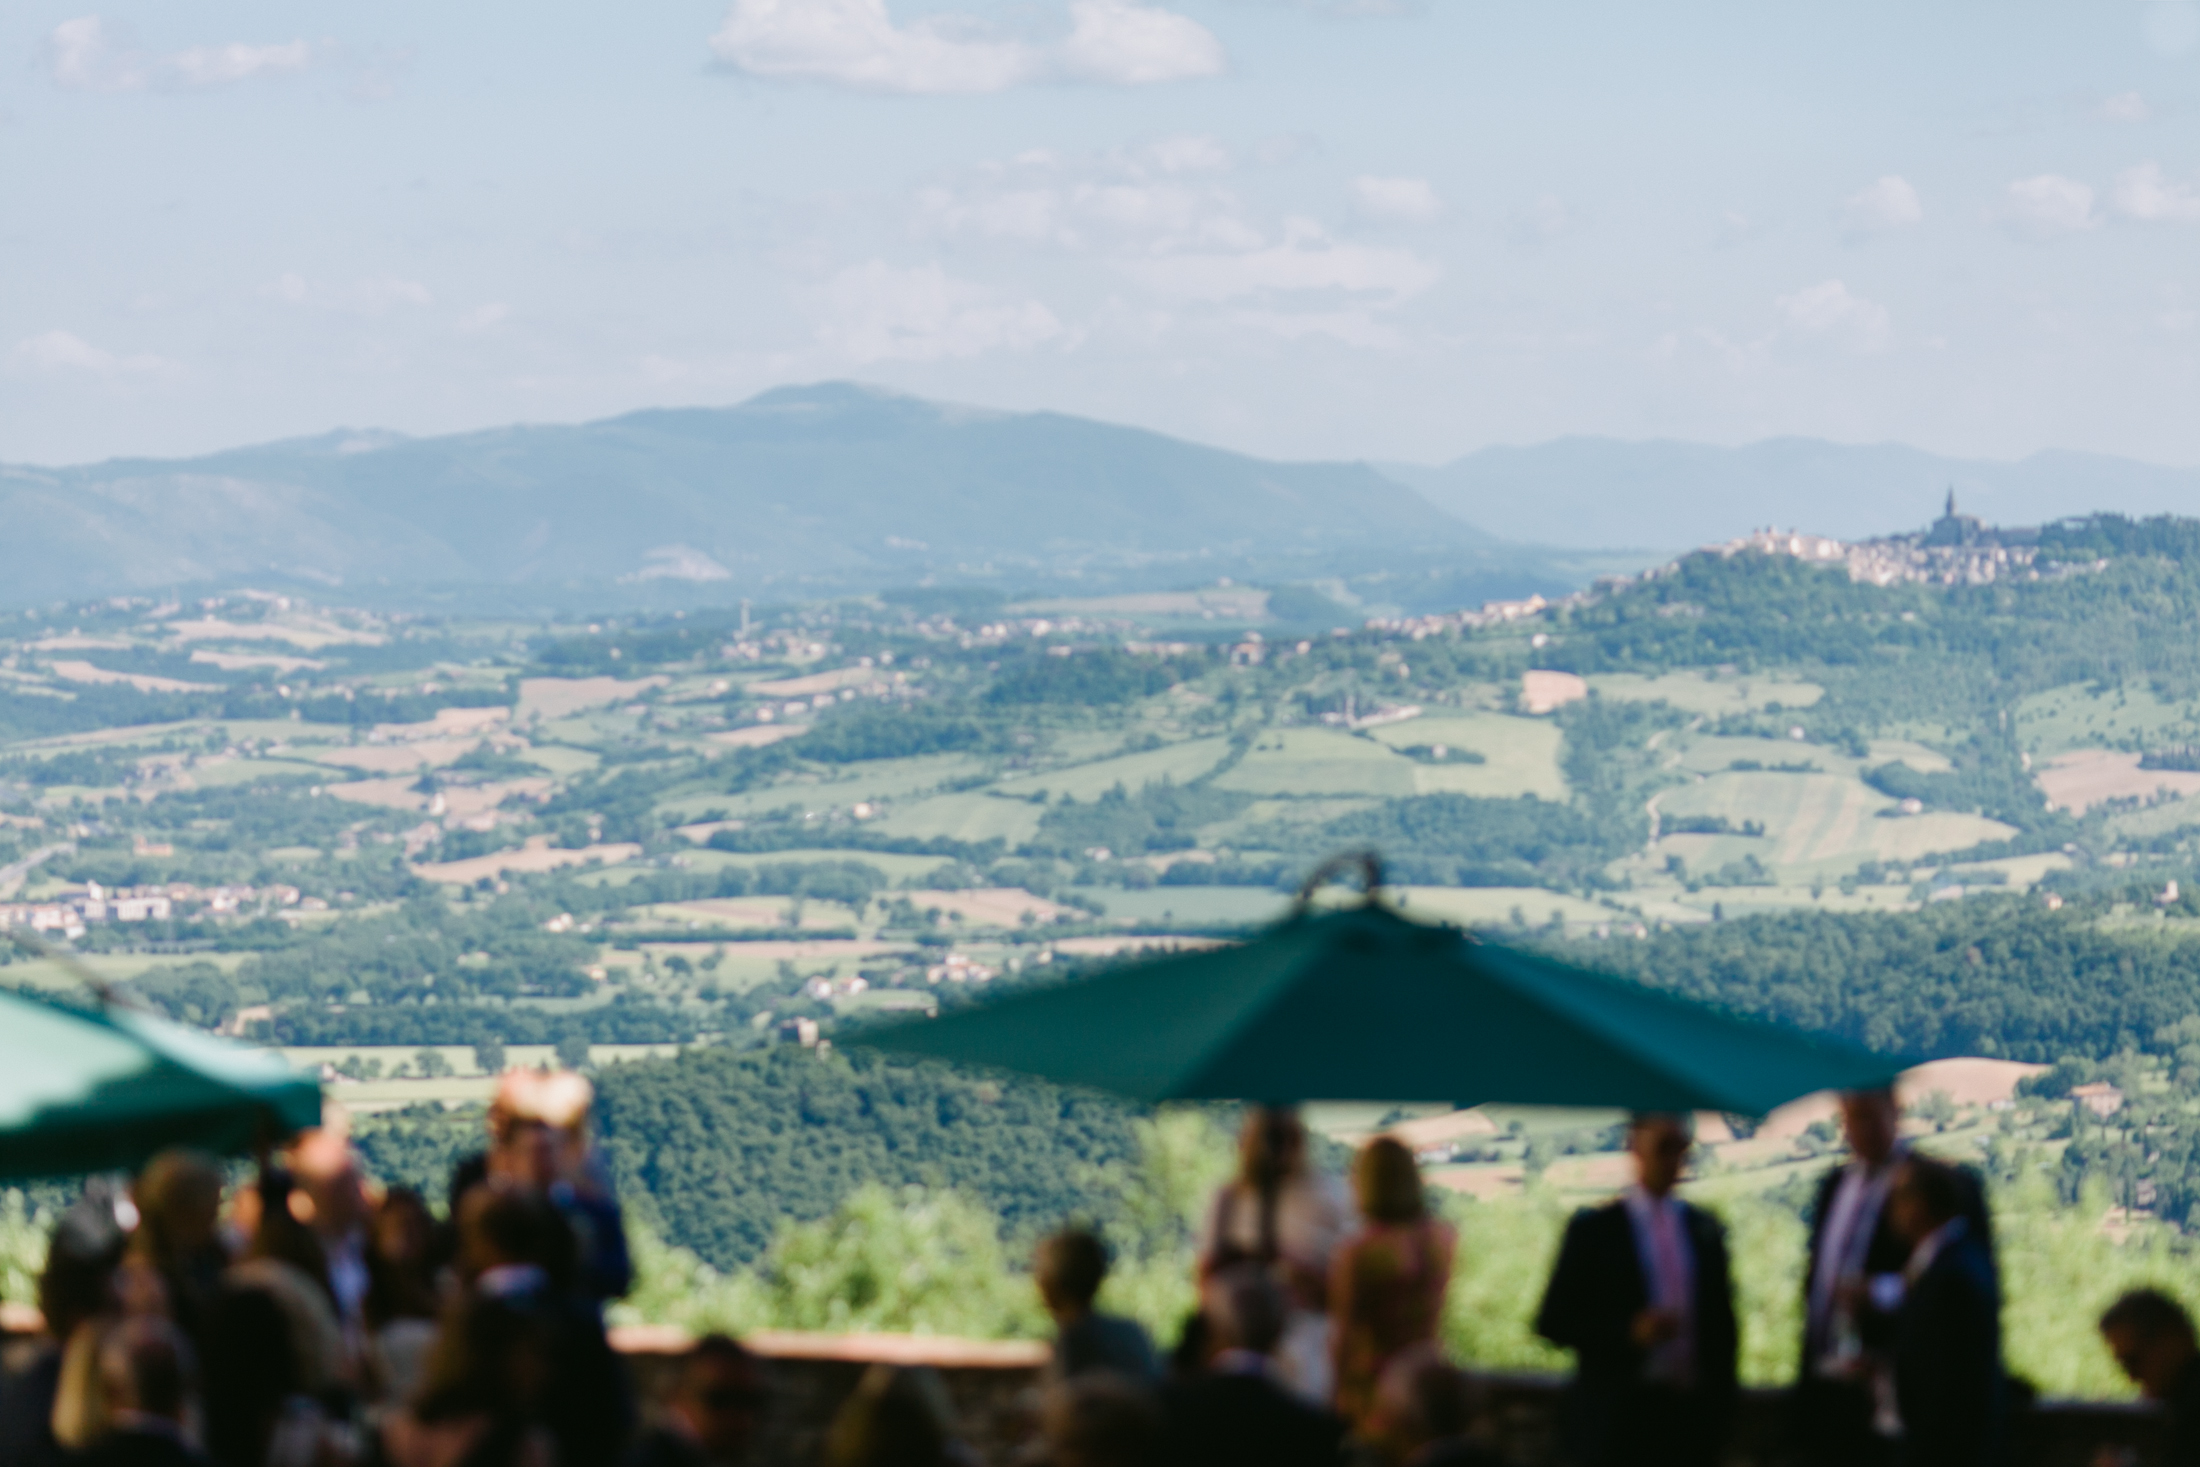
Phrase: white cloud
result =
(2125, 107)
(484, 318)
(1119, 43)
(83, 56)
(60, 352)
(1306, 260)
(856, 43)
(1396, 200)
(877, 312)
(2142, 193)
(1830, 311)
(1888, 204)
(2048, 205)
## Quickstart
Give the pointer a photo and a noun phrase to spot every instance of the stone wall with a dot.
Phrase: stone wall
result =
(995, 1388)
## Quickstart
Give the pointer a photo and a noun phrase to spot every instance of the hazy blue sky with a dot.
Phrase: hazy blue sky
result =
(1383, 230)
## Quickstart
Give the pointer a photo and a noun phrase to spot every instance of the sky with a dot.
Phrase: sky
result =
(1361, 229)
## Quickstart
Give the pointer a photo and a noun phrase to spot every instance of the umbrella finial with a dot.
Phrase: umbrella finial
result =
(1371, 874)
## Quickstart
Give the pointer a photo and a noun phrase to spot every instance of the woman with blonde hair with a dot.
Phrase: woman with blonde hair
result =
(1387, 1286)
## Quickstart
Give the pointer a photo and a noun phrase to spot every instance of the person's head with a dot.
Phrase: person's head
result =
(720, 1398)
(330, 1182)
(1246, 1309)
(898, 1417)
(403, 1229)
(1271, 1147)
(77, 1282)
(1099, 1420)
(146, 1367)
(1069, 1268)
(2151, 1336)
(278, 1233)
(1387, 1181)
(1926, 1195)
(1871, 1119)
(538, 1126)
(179, 1203)
(1420, 1400)
(1660, 1142)
(488, 1358)
(501, 1224)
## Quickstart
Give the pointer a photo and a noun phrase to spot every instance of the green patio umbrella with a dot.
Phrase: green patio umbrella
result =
(87, 1091)
(1362, 1004)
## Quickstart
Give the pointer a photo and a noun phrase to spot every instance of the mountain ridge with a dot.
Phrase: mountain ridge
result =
(798, 490)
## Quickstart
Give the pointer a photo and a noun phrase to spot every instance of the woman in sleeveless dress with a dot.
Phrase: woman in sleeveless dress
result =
(1387, 1285)
(1280, 1213)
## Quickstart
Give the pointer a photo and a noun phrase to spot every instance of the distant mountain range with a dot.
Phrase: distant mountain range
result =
(838, 488)
(800, 491)
(1662, 495)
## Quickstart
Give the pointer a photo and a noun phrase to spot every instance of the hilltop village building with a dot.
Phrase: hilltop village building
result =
(1955, 550)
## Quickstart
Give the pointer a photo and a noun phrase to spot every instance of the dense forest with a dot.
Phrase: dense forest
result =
(1990, 975)
(729, 1145)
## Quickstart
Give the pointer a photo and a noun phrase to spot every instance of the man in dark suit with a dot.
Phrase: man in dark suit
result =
(1642, 1295)
(2152, 1338)
(1949, 1387)
(145, 1369)
(1852, 1291)
(1236, 1413)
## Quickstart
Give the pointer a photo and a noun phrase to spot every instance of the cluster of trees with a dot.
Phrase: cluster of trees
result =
(729, 1143)
(1160, 817)
(1465, 840)
(1104, 677)
(852, 732)
(625, 1020)
(2103, 536)
(1988, 975)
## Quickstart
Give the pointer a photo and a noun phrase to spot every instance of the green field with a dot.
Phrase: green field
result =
(1695, 691)
(111, 967)
(881, 779)
(1190, 904)
(2087, 716)
(1178, 763)
(1320, 761)
(1520, 754)
(1815, 824)
(972, 816)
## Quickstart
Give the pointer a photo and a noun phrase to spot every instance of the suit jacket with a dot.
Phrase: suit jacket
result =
(2182, 1449)
(1597, 1289)
(1885, 1254)
(1947, 1360)
(1246, 1421)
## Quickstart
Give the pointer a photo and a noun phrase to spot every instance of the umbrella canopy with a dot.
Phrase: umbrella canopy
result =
(94, 1091)
(1362, 1004)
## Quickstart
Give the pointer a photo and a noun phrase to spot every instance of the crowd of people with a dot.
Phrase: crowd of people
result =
(307, 1319)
